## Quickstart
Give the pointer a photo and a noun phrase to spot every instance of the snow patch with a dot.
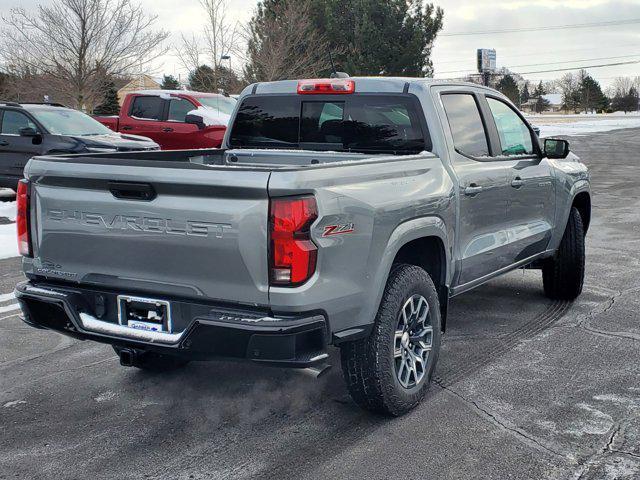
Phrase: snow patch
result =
(576, 125)
(105, 396)
(211, 117)
(13, 403)
(8, 210)
(8, 242)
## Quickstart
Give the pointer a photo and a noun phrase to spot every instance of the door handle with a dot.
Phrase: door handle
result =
(3, 143)
(472, 190)
(132, 191)
(167, 129)
(127, 127)
(517, 182)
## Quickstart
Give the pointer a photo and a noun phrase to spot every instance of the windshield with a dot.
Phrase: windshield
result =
(354, 123)
(69, 122)
(222, 104)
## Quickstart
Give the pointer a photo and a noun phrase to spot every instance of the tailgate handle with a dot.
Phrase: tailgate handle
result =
(132, 191)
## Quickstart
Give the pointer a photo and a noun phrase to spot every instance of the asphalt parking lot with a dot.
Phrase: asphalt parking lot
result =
(526, 387)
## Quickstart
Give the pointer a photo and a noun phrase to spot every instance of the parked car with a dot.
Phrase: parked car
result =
(30, 129)
(340, 212)
(176, 119)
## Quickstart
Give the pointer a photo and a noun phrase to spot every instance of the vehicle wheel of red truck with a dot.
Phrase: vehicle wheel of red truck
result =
(563, 274)
(390, 371)
(154, 362)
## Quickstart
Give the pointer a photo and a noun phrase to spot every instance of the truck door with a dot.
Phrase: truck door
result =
(531, 197)
(175, 133)
(144, 117)
(481, 240)
(16, 150)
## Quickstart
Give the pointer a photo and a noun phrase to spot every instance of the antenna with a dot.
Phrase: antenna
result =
(334, 72)
(333, 65)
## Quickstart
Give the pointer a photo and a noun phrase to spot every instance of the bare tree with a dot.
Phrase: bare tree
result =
(569, 86)
(77, 44)
(214, 46)
(621, 86)
(284, 43)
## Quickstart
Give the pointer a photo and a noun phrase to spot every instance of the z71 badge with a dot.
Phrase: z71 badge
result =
(331, 230)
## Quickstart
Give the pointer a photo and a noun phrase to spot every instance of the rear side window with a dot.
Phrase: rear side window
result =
(469, 136)
(147, 108)
(13, 122)
(178, 109)
(359, 123)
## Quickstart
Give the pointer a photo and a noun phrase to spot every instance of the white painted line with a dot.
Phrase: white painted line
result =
(9, 308)
(10, 316)
(5, 297)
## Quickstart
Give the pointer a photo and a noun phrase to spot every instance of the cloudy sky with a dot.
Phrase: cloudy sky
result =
(454, 54)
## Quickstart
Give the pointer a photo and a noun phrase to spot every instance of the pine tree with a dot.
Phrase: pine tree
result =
(524, 95)
(508, 86)
(381, 37)
(592, 98)
(203, 79)
(542, 104)
(169, 82)
(110, 104)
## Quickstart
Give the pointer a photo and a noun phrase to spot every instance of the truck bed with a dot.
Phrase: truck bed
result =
(192, 223)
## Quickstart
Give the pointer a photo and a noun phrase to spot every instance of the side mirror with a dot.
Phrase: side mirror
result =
(28, 132)
(195, 120)
(555, 148)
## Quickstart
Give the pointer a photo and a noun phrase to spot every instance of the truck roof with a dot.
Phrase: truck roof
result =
(176, 92)
(363, 84)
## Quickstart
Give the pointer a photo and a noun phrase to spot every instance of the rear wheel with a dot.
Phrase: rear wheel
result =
(563, 274)
(390, 371)
(154, 362)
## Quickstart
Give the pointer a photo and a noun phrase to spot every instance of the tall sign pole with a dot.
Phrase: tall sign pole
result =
(486, 63)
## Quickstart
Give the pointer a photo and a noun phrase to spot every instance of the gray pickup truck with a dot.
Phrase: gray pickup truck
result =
(341, 212)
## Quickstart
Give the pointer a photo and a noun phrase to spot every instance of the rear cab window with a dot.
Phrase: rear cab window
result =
(368, 123)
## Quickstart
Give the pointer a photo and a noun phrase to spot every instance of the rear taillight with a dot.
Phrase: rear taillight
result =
(329, 86)
(22, 218)
(293, 254)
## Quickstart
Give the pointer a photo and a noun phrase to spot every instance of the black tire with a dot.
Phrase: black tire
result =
(154, 362)
(563, 274)
(369, 366)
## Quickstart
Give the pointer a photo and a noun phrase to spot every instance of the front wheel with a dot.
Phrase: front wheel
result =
(390, 371)
(563, 274)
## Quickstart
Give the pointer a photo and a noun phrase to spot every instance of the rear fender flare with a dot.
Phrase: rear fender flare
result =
(404, 233)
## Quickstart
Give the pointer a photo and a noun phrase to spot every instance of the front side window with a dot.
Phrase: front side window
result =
(358, 123)
(469, 136)
(178, 109)
(13, 122)
(515, 137)
(147, 108)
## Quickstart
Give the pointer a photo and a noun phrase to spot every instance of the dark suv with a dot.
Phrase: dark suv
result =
(30, 129)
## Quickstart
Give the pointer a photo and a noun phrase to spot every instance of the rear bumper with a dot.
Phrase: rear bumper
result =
(218, 333)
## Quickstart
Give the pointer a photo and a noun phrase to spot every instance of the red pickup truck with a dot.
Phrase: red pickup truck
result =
(175, 119)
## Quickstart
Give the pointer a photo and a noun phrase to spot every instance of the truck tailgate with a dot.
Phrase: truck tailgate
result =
(202, 233)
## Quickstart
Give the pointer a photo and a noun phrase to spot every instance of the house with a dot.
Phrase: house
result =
(554, 99)
(140, 82)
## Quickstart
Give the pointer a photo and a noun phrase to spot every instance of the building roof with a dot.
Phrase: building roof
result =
(553, 98)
